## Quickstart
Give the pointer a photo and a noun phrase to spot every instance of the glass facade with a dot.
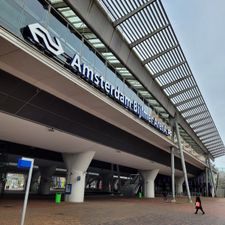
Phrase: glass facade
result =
(17, 14)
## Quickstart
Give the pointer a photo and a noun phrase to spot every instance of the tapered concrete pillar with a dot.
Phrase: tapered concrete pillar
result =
(149, 182)
(46, 179)
(77, 165)
(179, 185)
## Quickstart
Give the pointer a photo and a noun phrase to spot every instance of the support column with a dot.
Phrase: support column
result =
(212, 179)
(119, 181)
(46, 179)
(183, 161)
(77, 165)
(207, 181)
(149, 182)
(112, 180)
(173, 175)
(179, 185)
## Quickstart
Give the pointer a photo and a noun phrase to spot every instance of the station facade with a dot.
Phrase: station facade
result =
(75, 93)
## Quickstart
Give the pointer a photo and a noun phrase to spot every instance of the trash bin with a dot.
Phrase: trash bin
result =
(57, 198)
(139, 194)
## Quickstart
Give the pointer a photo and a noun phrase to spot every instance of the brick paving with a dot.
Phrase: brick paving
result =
(113, 211)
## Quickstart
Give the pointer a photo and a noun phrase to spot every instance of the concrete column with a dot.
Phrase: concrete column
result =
(172, 175)
(77, 165)
(149, 182)
(179, 185)
(183, 161)
(46, 179)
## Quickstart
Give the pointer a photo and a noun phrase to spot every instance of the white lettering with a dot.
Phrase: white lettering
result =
(76, 62)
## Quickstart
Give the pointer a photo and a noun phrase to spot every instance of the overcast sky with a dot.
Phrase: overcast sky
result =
(200, 29)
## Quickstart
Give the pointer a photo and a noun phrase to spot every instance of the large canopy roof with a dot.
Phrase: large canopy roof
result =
(148, 31)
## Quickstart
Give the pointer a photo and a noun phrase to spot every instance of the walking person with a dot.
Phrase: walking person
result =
(198, 205)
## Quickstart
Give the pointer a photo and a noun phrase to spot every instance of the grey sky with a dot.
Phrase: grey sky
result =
(200, 29)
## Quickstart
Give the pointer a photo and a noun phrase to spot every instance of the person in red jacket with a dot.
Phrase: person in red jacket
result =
(198, 205)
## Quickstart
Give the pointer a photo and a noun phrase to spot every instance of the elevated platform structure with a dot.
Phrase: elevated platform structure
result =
(106, 81)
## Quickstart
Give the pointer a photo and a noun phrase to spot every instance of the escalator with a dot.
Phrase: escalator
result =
(132, 186)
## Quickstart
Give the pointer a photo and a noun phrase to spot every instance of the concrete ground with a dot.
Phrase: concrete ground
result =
(113, 211)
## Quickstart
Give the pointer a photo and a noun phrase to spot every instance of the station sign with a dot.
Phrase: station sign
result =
(37, 34)
(22, 163)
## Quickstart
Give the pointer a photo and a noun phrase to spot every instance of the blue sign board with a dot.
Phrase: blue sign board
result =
(24, 163)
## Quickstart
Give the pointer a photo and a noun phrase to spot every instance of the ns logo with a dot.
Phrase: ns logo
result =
(39, 35)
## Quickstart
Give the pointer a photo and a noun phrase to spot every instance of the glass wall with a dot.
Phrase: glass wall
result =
(17, 14)
(15, 182)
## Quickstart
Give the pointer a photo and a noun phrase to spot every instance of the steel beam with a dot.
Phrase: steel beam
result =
(182, 91)
(209, 141)
(216, 147)
(212, 146)
(205, 128)
(183, 161)
(133, 12)
(140, 40)
(168, 69)
(208, 137)
(159, 54)
(216, 152)
(208, 145)
(218, 155)
(175, 82)
(198, 120)
(173, 174)
(205, 134)
(201, 125)
(222, 152)
(210, 130)
(187, 100)
(191, 108)
(195, 114)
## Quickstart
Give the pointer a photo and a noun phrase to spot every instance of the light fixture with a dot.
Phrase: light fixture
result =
(51, 129)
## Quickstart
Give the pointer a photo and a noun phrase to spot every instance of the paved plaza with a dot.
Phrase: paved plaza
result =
(113, 211)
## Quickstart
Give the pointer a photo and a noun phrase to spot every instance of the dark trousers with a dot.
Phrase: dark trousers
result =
(197, 208)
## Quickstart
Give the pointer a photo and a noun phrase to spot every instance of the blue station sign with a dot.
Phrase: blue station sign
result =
(22, 163)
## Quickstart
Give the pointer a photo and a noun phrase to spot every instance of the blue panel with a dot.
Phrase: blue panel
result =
(24, 163)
